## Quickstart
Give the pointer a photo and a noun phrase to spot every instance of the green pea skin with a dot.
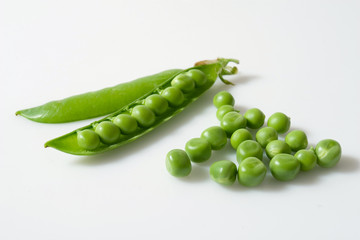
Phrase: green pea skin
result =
(224, 109)
(328, 152)
(143, 115)
(173, 95)
(223, 172)
(126, 123)
(157, 104)
(240, 136)
(265, 135)
(254, 118)
(251, 172)
(88, 139)
(183, 82)
(223, 98)
(198, 76)
(178, 163)
(307, 159)
(216, 136)
(249, 148)
(284, 167)
(198, 149)
(280, 122)
(232, 121)
(296, 140)
(108, 132)
(276, 147)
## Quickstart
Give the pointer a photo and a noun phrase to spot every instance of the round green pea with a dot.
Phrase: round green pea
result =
(216, 136)
(178, 163)
(183, 82)
(240, 136)
(266, 135)
(108, 132)
(173, 95)
(126, 123)
(284, 167)
(223, 98)
(143, 115)
(198, 149)
(276, 147)
(198, 76)
(296, 140)
(280, 122)
(249, 148)
(157, 103)
(232, 121)
(254, 118)
(251, 172)
(328, 152)
(307, 159)
(88, 139)
(223, 172)
(224, 109)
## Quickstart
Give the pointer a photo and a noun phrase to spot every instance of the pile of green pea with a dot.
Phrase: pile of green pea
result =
(143, 115)
(287, 157)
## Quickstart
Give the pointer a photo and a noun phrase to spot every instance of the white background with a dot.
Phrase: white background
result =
(297, 57)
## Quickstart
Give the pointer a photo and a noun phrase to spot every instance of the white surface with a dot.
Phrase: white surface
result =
(298, 57)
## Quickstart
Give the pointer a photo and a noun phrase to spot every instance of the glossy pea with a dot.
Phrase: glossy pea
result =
(284, 167)
(307, 159)
(251, 172)
(296, 140)
(223, 172)
(232, 121)
(198, 149)
(224, 109)
(173, 95)
(88, 139)
(198, 76)
(108, 132)
(126, 123)
(223, 98)
(276, 147)
(183, 82)
(254, 118)
(143, 115)
(178, 163)
(216, 137)
(157, 103)
(280, 122)
(249, 148)
(265, 135)
(328, 152)
(240, 136)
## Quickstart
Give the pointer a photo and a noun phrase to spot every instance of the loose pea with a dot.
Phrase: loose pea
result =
(297, 140)
(198, 76)
(251, 172)
(223, 98)
(224, 109)
(232, 121)
(126, 123)
(173, 95)
(143, 115)
(240, 136)
(249, 148)
(328, 152)
(307, 159)
(216, 136)
(284, 167)
(109, 133)
(156, 103)
(266, 135)
(198, 149)
(183, 82)
(280, 122)
(275, 147)
(223, 172)
(88, 139)
(178, 163)
(254, 118)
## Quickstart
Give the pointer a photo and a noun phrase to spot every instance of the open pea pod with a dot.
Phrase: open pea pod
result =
(177, 95)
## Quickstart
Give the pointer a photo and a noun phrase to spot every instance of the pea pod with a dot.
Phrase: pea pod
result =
(211, 69)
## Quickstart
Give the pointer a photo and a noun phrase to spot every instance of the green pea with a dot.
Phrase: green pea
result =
(223, 98)
(254, 118)
(88, 139)
(280, 122)
(224, 109)
(284, 167)
(223, 172)
(198, 149)
(249, 148)
(183, 82)
(251, 172)
(178, 163)
(109, 133)
(143, 115)
(173, 95)
(216, 136)
(157, 103)
(296, 140)
(126, 123)
(232, 121)
(198, 76)
(307, 159)
(266, 135)
(328, 152)
(240, 136)
(275, 147)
